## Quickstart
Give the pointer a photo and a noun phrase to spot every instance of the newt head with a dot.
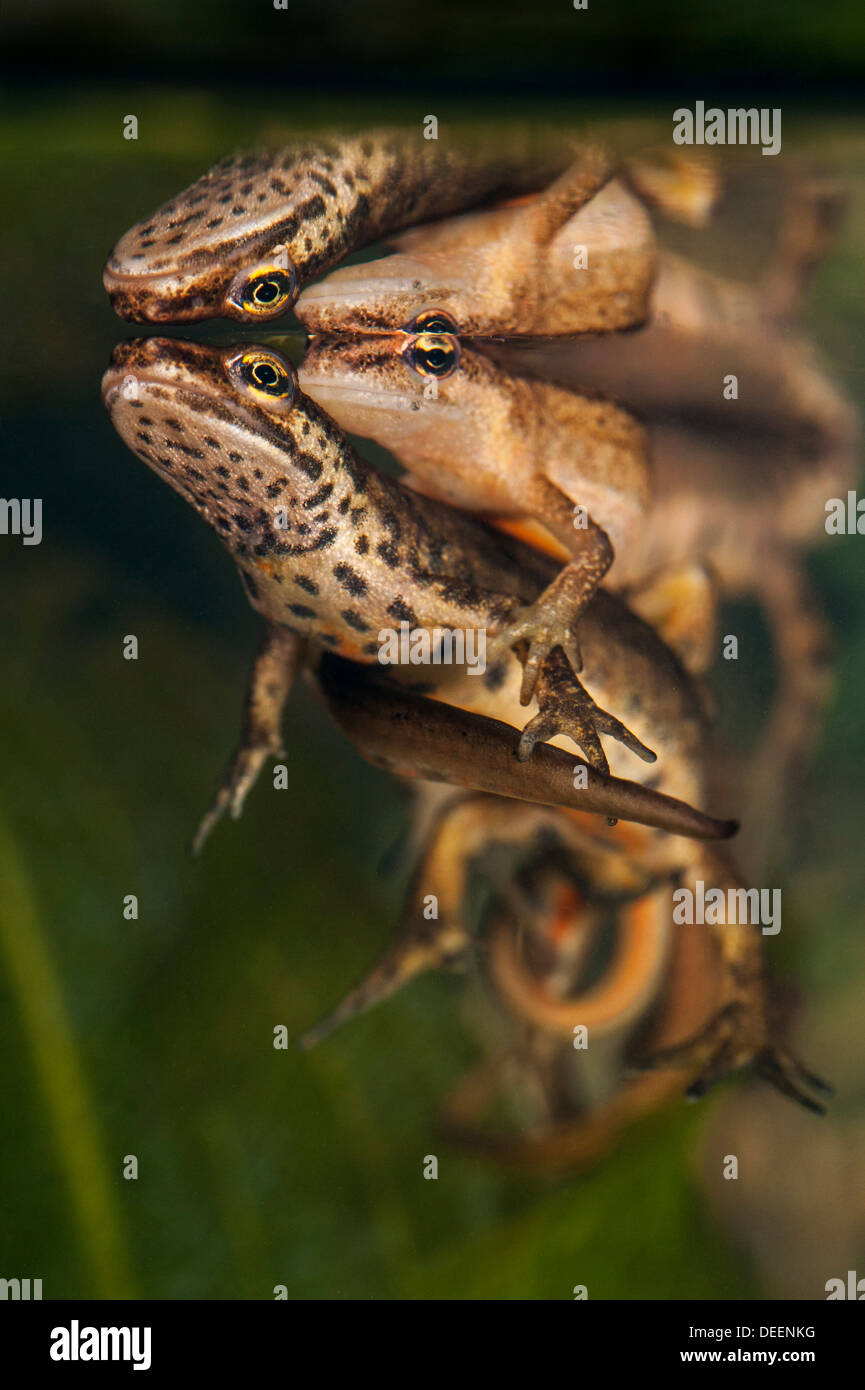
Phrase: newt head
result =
(478, 437)
(227, 428)
(441, 278)
(394, 387)
(217, 250)
(463, 429)
(383, 296)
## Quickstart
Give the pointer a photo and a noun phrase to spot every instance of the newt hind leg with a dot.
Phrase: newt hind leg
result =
(722, 1047)
(787, 1074)
(744, 1029)
(424, 942)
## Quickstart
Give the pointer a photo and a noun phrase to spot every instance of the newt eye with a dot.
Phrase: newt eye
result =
(433, 321)
(266, 293)
(432, 354)
(265, 372)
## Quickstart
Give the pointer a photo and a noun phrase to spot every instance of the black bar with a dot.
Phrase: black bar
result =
(221, 1338)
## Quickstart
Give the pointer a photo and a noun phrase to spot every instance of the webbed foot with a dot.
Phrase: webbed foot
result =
(565, 707)
(553, 619)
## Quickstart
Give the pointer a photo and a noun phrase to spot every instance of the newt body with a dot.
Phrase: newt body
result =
(485, 439)
(492, 442)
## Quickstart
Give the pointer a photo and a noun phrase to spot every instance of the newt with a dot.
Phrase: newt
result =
(572, 259)
(243, 239)
(503, 445)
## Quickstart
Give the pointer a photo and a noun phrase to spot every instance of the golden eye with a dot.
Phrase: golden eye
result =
(432, 354)
(267, 372)
(268, 292)
(433, 321)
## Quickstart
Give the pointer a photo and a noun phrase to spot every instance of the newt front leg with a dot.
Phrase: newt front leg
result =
(553, 619)
(270, 680)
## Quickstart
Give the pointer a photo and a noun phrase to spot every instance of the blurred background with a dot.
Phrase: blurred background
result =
(153, 1037)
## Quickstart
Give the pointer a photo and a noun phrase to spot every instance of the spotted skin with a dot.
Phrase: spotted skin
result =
(327, 545)
(317, 201)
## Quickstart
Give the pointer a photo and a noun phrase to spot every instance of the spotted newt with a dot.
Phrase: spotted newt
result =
(243, 239)
(325, 544)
